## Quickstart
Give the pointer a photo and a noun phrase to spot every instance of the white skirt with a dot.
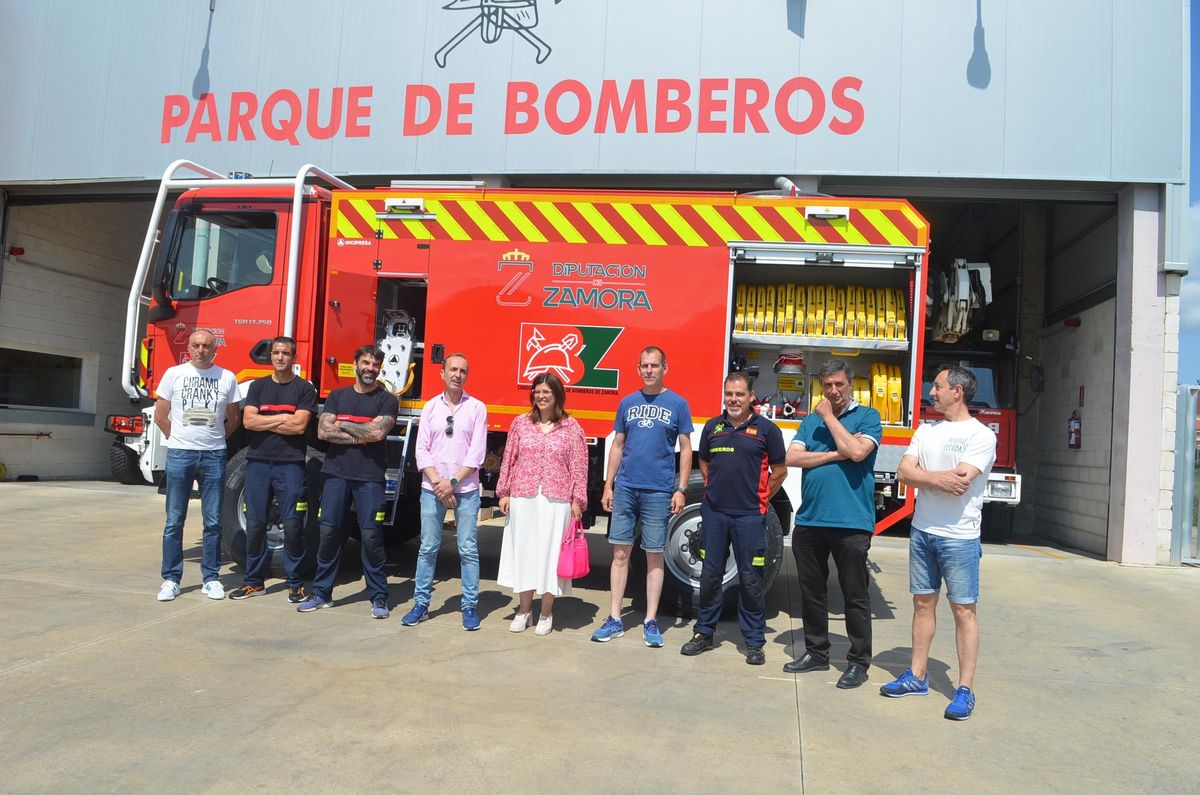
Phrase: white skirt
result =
(530, 545)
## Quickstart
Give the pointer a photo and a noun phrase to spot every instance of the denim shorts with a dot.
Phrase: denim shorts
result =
(631, 506)
(934, 558)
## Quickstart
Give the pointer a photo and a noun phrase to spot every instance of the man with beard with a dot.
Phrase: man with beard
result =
(355, 421)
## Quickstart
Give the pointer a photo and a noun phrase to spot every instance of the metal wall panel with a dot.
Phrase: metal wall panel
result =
(1058, 109)
(1074, 89)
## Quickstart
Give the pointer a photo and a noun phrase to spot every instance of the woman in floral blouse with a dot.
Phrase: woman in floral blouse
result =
(543, 484)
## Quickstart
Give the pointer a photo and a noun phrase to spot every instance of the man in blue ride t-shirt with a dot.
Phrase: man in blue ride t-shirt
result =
(742, 460)
(642, 487)
(836, 445)
(355, 420)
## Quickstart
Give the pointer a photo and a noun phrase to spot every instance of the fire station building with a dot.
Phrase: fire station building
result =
(1048, 140)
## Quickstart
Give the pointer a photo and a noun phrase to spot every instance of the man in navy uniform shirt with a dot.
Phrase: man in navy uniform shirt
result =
(742, 460)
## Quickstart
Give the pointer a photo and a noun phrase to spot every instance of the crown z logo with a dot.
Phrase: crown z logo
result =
(573, 353)
(518, 262)
(493, 17)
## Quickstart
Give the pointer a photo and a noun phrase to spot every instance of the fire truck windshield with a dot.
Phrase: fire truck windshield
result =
(217, 253)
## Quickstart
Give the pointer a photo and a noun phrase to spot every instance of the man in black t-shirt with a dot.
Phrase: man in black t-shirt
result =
(742, 458)
(278, 408)
(355, 420)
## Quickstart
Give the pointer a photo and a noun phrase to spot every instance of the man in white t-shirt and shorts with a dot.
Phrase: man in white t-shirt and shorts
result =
(196, 410)
(948, 462)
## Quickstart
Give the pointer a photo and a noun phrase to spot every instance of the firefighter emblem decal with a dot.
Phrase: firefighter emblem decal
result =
(573, 353)
(492, 18)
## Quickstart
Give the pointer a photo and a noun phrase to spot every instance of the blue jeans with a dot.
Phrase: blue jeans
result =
(748, 535)
(466, 517)
(934, 558)
(652, 508)
(368, 503)
(286, 479)
(206, 467)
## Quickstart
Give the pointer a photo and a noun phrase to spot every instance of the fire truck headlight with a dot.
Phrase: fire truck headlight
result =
(1000, 490)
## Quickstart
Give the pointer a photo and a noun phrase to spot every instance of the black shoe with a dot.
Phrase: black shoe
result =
(755, 656)
(809, 662)
(855, 675)
(246, 591)
(297, 595)
(697, 645)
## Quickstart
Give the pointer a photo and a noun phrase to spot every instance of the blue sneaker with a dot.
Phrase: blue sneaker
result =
(962, 706)
(906, 685)
(611, 628)
(379, 608)
(470, 619)
(312, 603)
(415, 616)
(651, 635)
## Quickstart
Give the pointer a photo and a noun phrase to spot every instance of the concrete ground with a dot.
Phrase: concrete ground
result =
(1088, 680)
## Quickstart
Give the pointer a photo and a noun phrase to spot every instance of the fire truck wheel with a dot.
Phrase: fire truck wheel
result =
(681, 559)
(233, 516)
(124, 465)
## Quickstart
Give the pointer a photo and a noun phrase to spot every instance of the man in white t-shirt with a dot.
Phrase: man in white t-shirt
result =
(948, 462)
(196, 410)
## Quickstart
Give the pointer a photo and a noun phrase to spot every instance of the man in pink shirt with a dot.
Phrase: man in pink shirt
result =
(451, 444)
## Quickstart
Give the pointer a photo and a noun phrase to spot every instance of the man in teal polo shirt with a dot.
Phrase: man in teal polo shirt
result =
(836, 446)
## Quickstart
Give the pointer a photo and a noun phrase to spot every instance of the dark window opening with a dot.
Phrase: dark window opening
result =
(44, 380)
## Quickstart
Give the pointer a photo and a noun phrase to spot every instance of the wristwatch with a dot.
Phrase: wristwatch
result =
(453, 483)
(681, 490)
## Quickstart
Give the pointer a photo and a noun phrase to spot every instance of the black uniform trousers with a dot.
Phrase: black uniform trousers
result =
(812, 547)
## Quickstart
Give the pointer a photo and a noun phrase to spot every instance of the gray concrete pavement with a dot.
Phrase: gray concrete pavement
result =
(1087, 680)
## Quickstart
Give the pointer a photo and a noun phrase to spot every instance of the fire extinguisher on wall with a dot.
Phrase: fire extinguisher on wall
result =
(1074, 431)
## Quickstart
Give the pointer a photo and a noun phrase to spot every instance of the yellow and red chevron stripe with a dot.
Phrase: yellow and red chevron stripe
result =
(653, 219)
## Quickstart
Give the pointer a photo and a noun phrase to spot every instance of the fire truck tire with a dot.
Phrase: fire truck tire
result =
(124, 465)
(997, 522)
(233, 516)
(681, 563)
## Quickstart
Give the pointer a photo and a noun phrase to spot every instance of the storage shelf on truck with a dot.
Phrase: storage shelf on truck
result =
(831, 343)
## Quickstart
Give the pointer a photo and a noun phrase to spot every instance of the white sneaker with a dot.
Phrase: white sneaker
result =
(545, 624)
(168, 591)
(214, 590)
(521, 622)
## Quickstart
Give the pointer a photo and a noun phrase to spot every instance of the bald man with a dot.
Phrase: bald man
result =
(197, 409)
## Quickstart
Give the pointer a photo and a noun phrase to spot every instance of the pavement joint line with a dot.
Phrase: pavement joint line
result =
(95, 641)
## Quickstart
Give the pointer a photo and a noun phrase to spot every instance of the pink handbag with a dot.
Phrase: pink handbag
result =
(573, 560)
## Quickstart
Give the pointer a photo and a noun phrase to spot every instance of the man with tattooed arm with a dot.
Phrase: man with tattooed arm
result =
(355, 421)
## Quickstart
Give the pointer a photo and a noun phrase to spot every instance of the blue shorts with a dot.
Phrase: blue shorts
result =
(631, 507)
(934, 558)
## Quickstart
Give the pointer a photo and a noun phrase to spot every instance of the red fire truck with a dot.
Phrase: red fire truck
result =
(525, 282)
(960, 297)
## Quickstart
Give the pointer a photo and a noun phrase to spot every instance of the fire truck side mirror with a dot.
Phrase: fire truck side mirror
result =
(437, 354)
(1037, 378)
(261, 352)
